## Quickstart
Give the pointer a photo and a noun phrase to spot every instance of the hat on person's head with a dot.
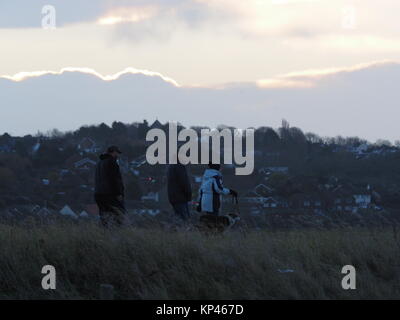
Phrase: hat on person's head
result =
(113, 149)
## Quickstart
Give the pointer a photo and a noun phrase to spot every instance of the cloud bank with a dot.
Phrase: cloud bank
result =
(362, 101)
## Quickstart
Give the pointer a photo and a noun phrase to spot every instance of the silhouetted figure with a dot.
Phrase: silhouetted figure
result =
(211, 190)
(109, 189)
(179, 190)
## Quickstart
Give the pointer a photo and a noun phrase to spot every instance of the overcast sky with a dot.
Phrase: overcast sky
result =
(268, 54)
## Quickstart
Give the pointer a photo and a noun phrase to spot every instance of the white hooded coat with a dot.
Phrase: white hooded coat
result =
(211, 190)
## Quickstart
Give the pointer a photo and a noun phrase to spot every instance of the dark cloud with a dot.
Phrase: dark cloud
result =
(362, 102)
(171, 16)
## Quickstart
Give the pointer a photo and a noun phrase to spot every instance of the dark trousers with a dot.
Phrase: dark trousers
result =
(111, 209)
(181, 210)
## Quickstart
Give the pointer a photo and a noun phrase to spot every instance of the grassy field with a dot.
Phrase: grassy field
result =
(157, 264)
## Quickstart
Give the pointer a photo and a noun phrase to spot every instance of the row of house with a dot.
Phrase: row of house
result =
(340, 199)
(365, 150)
(43, 211)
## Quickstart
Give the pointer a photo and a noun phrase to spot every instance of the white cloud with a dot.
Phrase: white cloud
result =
(128, 15)
(26, 75)
(312, 77)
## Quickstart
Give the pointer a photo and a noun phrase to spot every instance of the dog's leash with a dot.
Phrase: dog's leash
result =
(235, 202)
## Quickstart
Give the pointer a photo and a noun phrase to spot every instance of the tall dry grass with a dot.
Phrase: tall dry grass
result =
(157, 264)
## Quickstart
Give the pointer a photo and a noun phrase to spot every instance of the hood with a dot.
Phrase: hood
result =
(209, 173)
(105, 156)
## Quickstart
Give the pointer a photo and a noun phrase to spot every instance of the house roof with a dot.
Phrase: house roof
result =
(83, 214)
(67, 211)
(262, 190)
(271, 199)
(86, 143)
(83, 162)
(276, 199)
(156, 125)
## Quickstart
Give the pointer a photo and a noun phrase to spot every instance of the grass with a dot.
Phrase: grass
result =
(156, 264)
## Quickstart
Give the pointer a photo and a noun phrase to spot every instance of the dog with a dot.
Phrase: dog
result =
(210, 223)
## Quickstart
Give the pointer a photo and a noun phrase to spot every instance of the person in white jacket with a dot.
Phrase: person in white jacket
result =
(212, 189)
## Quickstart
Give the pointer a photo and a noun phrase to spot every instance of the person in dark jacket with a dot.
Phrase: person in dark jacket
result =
(109, 188)
(179, 190)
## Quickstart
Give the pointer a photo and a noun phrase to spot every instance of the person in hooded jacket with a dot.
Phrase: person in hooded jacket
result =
(109, 188)
(179, 190)
(212, 189)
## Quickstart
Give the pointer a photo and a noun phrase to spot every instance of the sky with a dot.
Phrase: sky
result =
(249, 62)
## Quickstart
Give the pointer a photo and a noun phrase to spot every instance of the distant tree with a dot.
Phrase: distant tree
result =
(55, 133)
(7, 179)
(355, 141)
(267, 139)
(313, 138)
(278, 181)
(339, 140)
(285, 124)
(17, 164)
(119, 128)
(381, 142)
(49, 154)
(297, 136)
(5, 138)
(142, 130)
(284, 130)
(95, 132)
(102, 131)
(39, 134)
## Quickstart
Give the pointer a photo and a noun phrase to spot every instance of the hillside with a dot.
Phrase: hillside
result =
(295, 173)
(155, 264)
